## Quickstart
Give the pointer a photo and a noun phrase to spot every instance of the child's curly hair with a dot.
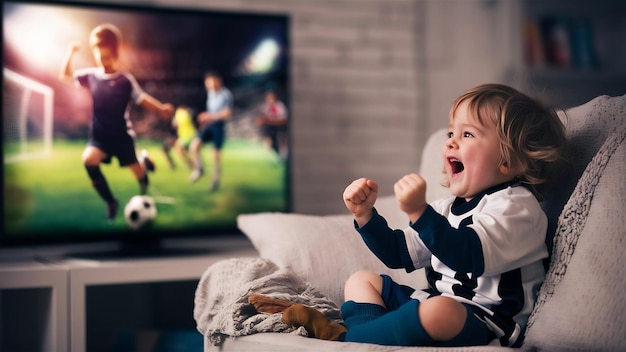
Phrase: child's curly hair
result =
(532, 137)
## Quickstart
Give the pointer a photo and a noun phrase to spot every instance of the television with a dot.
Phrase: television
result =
(48, 197)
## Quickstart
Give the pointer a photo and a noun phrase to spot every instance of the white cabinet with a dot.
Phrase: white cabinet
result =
(34, 306)
(87, 304)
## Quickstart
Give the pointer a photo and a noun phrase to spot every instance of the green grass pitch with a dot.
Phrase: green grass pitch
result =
(54, 195)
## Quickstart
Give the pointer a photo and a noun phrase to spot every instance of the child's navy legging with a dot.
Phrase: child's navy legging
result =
(400, 325)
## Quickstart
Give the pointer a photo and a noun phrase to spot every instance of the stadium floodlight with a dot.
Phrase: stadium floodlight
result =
(263, 58)
(28, 117)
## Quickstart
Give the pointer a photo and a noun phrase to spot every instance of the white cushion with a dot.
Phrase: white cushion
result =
(587, 126)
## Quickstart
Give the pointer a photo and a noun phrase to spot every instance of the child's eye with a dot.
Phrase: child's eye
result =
(467, 135)
(449, 134)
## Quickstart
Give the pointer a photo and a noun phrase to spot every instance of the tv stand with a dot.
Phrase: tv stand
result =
(90, 300)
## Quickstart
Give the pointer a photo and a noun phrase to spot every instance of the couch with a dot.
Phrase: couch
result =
(580, 306)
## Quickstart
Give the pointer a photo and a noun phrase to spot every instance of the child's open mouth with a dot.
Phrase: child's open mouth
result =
(455, 165)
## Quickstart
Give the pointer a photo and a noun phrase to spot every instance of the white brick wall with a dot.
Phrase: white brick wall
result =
(356, 90)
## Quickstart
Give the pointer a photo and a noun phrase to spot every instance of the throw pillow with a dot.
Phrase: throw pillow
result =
(587, 127)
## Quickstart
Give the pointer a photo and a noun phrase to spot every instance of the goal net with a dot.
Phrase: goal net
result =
(27, 117)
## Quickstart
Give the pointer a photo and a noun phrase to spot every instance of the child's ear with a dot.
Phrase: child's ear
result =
(507, 170)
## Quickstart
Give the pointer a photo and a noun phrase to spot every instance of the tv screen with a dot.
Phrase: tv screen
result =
(57, 167)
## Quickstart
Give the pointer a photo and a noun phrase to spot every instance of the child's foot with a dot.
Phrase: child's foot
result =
(112, 210)
(146, 161)
(195, 175)
(264, 304)
(315, 323)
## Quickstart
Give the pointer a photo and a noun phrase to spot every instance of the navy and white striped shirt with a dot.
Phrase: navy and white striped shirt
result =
(487, 252)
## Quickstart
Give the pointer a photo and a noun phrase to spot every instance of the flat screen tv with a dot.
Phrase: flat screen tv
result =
(48, 195)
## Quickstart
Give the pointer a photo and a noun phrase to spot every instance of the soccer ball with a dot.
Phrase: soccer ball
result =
(139, 212)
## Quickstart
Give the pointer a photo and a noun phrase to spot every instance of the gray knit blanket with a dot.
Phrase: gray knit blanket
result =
(221, 300)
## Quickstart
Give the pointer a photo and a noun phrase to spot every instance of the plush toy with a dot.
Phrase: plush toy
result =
(315, 323)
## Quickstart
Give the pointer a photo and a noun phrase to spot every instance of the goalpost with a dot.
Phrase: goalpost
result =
(27, 117)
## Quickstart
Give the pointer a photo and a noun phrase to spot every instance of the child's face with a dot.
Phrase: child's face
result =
(212, 83)
(105, 58)
(471, 155)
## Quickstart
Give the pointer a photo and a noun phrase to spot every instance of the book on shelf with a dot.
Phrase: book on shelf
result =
(559, 42)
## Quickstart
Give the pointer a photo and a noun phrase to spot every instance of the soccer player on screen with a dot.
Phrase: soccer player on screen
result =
(272, 118)
(219, 108)
(113, 90)
(185, 132)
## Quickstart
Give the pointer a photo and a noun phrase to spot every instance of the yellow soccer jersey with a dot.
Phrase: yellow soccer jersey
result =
(184, 124)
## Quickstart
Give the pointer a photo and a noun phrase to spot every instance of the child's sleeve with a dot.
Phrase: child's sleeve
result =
(137, 93)
(81, 77)
(387, 244)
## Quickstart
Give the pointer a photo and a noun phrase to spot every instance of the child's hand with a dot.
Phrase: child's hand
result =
(359, 198)
(411, 195)
(204, 118)
(73, 47)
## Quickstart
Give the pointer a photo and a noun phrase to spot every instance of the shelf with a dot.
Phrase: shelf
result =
(572, 50)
